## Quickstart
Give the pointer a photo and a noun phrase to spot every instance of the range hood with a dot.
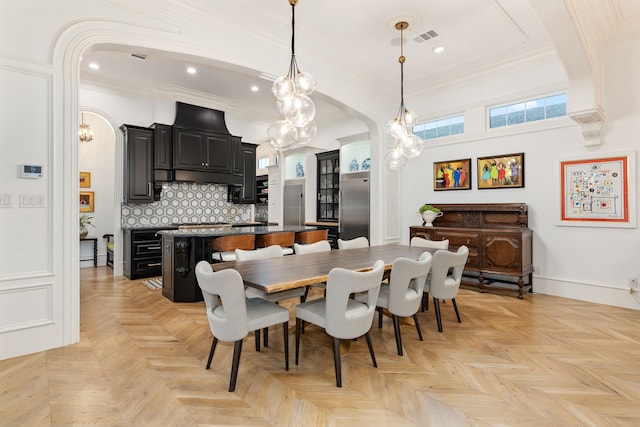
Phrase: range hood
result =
(191, 128)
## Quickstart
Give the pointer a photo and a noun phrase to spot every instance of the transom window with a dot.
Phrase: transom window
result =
(263, 162)
(447, 126)
(528, 111)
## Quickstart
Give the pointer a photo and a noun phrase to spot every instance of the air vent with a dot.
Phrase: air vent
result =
(139, 56)
(425, 36)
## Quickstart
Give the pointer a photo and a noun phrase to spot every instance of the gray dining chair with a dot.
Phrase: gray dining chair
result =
(341, 316)
(358, 242)
(444, 280)
(273, 251)
(403, 294)
(239, 315)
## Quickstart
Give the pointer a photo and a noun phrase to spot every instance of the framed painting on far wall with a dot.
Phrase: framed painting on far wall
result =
(85, 179)
(502, 171)
(452, 175)
(86, 201)
(598, 191)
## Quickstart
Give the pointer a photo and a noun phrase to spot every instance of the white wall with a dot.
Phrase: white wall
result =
(98, 157)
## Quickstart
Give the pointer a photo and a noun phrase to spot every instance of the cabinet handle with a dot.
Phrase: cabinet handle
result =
(202, 164)
(154, 247)
(148, 188)
(155, 264)
(468, 241)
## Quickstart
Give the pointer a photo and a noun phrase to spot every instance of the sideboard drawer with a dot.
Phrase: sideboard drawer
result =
(147, 248)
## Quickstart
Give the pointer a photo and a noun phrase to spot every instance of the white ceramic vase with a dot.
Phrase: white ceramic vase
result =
(429, 217)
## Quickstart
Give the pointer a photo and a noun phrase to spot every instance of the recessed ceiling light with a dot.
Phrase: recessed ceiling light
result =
(94, 66)
(191, 70)
(438, 49)
(255, 88)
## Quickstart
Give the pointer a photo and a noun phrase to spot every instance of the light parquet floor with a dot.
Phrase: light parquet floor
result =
(140, 361)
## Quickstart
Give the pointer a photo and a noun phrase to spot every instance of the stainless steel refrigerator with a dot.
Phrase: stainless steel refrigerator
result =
(354, 205)
(293, 202)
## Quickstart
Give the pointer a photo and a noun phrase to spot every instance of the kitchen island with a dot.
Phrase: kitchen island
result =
(183, 248)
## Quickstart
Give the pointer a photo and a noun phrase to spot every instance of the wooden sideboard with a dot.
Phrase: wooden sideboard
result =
(498, 238)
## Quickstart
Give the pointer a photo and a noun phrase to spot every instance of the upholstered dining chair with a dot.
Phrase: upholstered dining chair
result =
(285, 240)
(444, 280)
(319, 246)
(231, 320)
(402, 296)
(224, 247)
(340, 316)
(110, 247)
(273, 251)
(358, 242)
(430, 244)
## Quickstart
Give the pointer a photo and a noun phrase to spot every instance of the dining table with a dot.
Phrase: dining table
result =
(295, 271)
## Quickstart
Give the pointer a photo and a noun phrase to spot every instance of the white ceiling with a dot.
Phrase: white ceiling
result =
(357, 36)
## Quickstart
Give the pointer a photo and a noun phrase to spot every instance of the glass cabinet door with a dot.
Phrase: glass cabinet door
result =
(328, 186)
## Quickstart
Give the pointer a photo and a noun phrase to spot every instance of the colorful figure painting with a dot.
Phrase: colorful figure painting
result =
(452, 175)
(503, 171)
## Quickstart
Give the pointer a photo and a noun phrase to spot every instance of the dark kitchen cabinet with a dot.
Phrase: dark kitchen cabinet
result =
(249, 173)
(203, 151)
(162, 146)
(328, 184)
(138, 164)
(142, 253)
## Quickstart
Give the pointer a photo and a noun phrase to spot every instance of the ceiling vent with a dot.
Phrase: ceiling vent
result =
(425, 36)
(139, 56)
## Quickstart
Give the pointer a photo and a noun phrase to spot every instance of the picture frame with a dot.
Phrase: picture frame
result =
(598, 190)
(452, 175)
(86, 201)
(501, 171)
(85, 179)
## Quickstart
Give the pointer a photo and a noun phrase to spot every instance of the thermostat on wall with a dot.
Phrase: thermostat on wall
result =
(31, 171)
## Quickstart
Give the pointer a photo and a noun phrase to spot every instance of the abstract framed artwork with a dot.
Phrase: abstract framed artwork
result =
(86, 201)
(502, 171)
(598, 191)
(452, 175)
(85, 179)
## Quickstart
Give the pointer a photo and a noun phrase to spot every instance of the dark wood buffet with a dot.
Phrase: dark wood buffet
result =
(498, 238)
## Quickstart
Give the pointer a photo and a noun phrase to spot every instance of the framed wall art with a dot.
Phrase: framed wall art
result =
(85, 179)
(452, 175)
(503, 171)
(86, 201)
(598, 191)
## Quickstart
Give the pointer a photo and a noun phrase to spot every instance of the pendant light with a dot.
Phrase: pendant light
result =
(292, 93)
(408, 145)
(84, 133)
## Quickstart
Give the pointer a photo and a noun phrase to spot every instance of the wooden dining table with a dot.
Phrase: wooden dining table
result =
(295, 271)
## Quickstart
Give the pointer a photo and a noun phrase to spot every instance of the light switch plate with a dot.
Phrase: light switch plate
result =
(32, 200)
(6, 200)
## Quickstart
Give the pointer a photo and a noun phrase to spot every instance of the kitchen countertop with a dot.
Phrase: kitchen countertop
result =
(230, 231)
(325, 223)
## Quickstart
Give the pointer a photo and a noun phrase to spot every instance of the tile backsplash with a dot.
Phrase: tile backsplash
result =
(185, 202)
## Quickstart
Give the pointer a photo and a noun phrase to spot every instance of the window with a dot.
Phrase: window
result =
(438, 128)
(263, 162)
(528, 111)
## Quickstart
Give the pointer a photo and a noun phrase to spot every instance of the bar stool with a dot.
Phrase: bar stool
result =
(224, 247)
(285, 240)
(311, 236)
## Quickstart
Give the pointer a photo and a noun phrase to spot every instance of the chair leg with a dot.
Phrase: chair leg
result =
(265, 333)
(213, 348)
(436, 305)
(298, 327)
(257, 334)
(336, 361)
(455, 307)
(237, 349)
(415, 320)
(396, 331)
(285, 328)
(370, 345)
(379, 309)
(425, 301)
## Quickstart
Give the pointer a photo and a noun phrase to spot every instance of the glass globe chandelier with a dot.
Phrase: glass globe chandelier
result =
(292, 93)
(408, 145)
